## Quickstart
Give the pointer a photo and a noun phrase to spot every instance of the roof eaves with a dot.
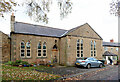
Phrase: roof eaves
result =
(64, 34)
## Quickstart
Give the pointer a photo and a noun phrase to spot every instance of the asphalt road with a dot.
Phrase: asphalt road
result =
(108, 73)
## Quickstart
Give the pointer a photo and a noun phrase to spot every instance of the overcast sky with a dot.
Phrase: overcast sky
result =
(94, 12)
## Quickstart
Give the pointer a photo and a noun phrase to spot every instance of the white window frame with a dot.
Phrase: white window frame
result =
(81, 50)
(44, 49)
(22, 49)
(78, 42)
(91, 49)
(28, 49)
(39, 49)
(95, 54)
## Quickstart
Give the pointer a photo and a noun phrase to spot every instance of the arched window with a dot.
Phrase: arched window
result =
(78, 48)
(81, 48)
(44, 49)
(28, 49)
(39, 49)
(94, 48)
(91, 48)
(22, 49)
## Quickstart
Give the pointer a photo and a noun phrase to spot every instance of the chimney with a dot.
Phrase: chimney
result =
(12, 22)
(112, 40)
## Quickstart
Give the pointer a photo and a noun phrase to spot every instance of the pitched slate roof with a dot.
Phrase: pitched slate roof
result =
(26, 28)
(107, 53)
(111, 44)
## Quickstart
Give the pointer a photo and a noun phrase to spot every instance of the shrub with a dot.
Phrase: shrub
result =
(24, 63)
(17, 62)
(9, 63)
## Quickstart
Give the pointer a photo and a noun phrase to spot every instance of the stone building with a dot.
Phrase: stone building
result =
(110, 50)
(35, 43)
(4, 47)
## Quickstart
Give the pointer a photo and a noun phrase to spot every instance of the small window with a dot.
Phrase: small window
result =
(105, 48)
(28, 49)
(22, 49)
(111, 49)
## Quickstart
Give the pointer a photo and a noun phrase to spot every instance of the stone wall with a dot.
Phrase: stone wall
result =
(34, 40)
(5, 47)
(63, 50)
(72, 48)
(112, 51)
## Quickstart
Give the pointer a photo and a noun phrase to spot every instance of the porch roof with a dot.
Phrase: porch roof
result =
(107, 53)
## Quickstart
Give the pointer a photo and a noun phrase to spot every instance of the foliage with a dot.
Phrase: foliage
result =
(114, 7)
(9, 63)
(65, 7)
(37, 9)
(17, 62)
(6, 6)
(26, 73)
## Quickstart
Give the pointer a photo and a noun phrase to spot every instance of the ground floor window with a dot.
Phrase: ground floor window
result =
(39, 49)
(22, 49)
(44, 49)
(28, 49)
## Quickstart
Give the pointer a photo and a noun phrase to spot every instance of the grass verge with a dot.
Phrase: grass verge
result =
(26, 73)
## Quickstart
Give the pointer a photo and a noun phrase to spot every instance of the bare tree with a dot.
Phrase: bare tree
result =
(37, 9)
(6, 6)
(115, 7)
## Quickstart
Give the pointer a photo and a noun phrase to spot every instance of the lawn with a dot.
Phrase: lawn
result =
(26, 73)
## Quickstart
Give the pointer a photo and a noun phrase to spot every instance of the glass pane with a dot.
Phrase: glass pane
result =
(81, 55)
(39, 46)
(78, 52)
(78, 55)
(22, 52)
(81, 41)
(81, 48)
(77, 44)
(39, 52)
(28, 52)
(94, 53)
(81, 52)
(78, 48)
(22, 45)
(44, 47)
(28, 45)
(44, 52)
(78, 40)
(91, 53)
(81, 44)
(91, 48)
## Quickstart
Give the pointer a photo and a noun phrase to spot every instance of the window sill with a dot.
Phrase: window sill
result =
(27, 58)
(41, 57)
